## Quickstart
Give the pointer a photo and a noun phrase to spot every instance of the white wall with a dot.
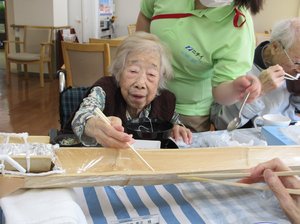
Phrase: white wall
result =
(33, 12)
(83, 18)
(273, 11)
(60, 12)
(40, 12)
(89, 19)
(74, 17)
(126, 12)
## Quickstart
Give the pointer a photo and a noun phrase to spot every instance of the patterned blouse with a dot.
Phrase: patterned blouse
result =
(95, 99)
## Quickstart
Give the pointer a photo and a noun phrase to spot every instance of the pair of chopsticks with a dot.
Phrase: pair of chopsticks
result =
(205, 177)
(106, 120)
(290, 77)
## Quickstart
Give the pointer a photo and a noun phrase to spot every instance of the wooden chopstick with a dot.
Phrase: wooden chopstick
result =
(234, 184)
(106, 120)
(231, 175)
(290, 77)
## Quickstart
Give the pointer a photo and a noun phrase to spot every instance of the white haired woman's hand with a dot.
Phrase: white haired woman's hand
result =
(181, 132)
(108, 135)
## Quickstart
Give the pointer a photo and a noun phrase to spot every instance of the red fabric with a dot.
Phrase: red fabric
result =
(238, 15)
(171, 16)
(236, 18)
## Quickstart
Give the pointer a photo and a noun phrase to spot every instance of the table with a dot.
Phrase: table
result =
(180, 203)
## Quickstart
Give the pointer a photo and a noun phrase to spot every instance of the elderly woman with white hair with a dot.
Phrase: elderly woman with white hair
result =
(136, 89)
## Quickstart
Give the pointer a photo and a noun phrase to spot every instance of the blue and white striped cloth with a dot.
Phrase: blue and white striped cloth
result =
(180, 203)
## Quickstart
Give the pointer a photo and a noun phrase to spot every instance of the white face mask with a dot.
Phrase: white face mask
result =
(215, 3)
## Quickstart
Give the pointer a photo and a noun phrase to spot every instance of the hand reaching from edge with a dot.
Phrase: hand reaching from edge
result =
(265, 172)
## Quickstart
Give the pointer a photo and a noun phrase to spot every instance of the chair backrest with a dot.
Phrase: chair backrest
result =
(85, 63)
(70, 100)
(113, 45)
(131, 28)
(68, 35)
(34, 36)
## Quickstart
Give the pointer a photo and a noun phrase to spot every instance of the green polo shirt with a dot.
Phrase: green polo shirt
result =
(207, 49)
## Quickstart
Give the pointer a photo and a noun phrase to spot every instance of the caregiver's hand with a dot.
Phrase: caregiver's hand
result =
(265, 172)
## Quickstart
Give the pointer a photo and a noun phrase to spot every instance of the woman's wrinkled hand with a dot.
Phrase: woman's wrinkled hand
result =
(108, 135)
(271, 78)
(181, 132)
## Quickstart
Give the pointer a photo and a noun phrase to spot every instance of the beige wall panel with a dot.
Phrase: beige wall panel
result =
(275, 10)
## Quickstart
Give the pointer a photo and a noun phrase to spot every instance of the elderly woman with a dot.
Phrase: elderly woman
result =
(135, 89)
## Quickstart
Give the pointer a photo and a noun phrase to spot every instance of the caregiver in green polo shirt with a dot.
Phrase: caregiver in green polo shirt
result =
(212, 43)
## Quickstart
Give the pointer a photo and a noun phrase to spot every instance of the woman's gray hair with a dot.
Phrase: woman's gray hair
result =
(142, 42)
(286, 32)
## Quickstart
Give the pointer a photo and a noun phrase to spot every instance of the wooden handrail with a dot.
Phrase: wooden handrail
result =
(47, 27)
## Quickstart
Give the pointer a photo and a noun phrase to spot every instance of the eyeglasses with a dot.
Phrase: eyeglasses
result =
(296, 64)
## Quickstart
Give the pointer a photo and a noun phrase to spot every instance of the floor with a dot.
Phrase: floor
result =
(27, 107)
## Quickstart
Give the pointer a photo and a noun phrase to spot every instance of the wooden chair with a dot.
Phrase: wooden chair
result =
(85, 63)
(35, 48)
(113, 45)
(131, 28)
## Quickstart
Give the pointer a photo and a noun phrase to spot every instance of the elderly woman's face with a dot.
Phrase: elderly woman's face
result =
(290, 59)
(140, 79)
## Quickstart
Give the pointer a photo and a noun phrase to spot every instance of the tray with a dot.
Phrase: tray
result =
(105, 166)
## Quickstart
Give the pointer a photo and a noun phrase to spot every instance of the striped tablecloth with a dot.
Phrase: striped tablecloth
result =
(177, 203)
(180, 203)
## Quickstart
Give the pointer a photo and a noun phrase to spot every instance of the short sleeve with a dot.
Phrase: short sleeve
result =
(236, 57)
(147, 8)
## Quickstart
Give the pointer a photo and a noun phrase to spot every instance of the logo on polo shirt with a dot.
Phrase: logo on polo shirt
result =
(194, 52)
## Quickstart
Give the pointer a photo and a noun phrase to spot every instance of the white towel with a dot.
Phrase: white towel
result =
(34, 206)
